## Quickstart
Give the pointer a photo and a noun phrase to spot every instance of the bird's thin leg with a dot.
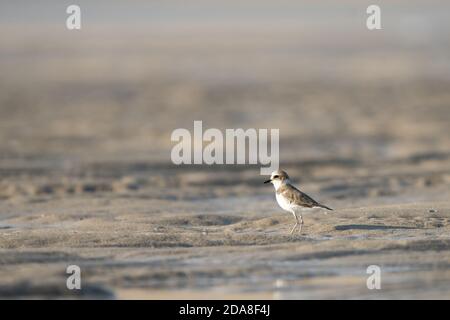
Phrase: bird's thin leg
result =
(301, 224)
(296, 222)
(293, 228)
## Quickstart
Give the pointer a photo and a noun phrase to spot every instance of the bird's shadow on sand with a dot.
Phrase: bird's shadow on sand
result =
(368, 227)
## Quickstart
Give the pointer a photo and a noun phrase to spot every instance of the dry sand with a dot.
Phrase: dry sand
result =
(86, 177)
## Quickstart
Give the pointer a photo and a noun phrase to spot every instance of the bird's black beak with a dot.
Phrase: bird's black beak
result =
(268, 181)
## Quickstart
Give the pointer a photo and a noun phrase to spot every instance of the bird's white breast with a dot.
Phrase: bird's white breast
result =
(283, 202)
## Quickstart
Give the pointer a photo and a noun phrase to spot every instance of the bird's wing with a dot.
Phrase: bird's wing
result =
(295, 196)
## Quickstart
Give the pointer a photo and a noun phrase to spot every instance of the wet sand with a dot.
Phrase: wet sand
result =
(133, 240)
(86, 176)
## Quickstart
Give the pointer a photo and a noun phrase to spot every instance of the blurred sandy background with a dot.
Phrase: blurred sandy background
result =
(85, 170)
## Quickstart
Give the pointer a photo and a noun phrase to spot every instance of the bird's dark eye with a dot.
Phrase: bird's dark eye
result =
(276, 177)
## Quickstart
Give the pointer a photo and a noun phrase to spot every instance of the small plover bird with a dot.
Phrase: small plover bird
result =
(290, 198)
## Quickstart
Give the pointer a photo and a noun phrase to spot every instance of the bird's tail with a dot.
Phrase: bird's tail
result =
(325, 207)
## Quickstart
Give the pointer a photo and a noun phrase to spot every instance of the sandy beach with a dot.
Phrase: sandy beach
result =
(86, 177)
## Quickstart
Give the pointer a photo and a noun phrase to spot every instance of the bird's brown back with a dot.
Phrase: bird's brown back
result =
(295, 196)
